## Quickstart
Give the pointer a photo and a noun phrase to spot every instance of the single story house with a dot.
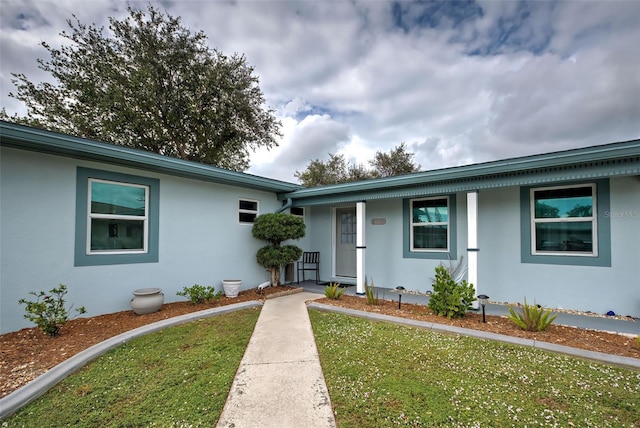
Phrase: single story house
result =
(561, 229)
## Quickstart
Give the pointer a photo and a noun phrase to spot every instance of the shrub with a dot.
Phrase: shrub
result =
(199, 293)
(48, 310)
(532, 317)
(276, 228)
(369, 291)
(333, 291)
(449, 298)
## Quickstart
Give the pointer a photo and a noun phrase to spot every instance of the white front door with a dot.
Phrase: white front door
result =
(346, 232)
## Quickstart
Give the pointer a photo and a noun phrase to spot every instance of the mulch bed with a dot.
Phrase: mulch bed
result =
(28, 353)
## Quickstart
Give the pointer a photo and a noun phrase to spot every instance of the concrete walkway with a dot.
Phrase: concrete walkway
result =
(280, 382)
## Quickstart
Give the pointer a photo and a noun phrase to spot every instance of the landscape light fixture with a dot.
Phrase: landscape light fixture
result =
(484, 299)
(399, 289)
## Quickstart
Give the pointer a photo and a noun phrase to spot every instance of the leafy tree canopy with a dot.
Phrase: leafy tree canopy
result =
(397, 161)
(151, 85)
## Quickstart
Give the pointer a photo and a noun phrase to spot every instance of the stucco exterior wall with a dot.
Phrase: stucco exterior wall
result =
(319, 229)
(201, 241)
(385, 265)
(599, 289)
(502, 275)
(200, 238)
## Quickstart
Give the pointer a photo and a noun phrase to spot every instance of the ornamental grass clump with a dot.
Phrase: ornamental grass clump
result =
(199, 293)
(48, 311)
(369, 291)
(532, 317)
(333, 291)
(449, 298)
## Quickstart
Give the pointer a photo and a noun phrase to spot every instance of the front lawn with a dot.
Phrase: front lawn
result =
(386, 375)
(176, 377)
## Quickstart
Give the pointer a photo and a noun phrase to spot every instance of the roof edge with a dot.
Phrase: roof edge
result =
(40, 140)
(611, 151)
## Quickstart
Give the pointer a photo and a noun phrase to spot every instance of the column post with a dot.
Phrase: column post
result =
(361, 208)
(472, 241)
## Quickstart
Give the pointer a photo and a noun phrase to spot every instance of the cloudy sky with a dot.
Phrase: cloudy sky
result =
(458, 82)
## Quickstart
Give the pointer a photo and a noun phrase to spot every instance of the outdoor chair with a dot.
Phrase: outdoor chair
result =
(309, 261)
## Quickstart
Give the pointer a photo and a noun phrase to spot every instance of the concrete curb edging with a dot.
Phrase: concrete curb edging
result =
(284, 293)
(626, 362)
(37, 387)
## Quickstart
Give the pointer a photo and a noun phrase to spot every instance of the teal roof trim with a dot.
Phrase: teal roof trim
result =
(609, 160)
(43, 141)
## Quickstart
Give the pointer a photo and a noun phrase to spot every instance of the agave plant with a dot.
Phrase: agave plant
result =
(370, 292)
(333, 291)
(532, 317)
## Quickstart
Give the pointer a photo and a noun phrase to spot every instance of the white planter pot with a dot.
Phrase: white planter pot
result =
(231, 287)
(147, 300)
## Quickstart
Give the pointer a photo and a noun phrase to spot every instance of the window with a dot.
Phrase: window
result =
(298, 211)
(429, 229)
(430, 224)
(566, 224)
(564, 220)
(348, 228)
(117, 218)
(247, 211)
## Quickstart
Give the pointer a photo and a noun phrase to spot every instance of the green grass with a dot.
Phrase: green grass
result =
(387, 375)
(176, 377)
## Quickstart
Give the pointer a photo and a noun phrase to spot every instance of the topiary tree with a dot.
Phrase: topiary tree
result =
(275, 228)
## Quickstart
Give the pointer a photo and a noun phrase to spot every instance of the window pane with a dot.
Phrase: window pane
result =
(248, 205)
(565, 236)
(348, 228)
(430, 237)
(563, 203)
(109, 234)
(247, 217)
(299, 211)
(111, 198)
(430, 211)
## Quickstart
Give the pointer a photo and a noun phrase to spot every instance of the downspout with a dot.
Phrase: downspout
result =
(287, 205)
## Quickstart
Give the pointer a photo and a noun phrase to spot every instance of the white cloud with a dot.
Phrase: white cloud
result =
(314, 137)
(457, 82)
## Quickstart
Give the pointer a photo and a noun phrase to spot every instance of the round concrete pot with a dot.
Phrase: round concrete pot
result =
(231, 287)
(147, 300)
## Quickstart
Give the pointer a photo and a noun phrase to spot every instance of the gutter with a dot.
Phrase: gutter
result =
(286, 206)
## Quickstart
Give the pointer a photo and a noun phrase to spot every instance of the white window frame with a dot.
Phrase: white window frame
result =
(593, 219)
(144, 219)
(443, 223)
(246, 211)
